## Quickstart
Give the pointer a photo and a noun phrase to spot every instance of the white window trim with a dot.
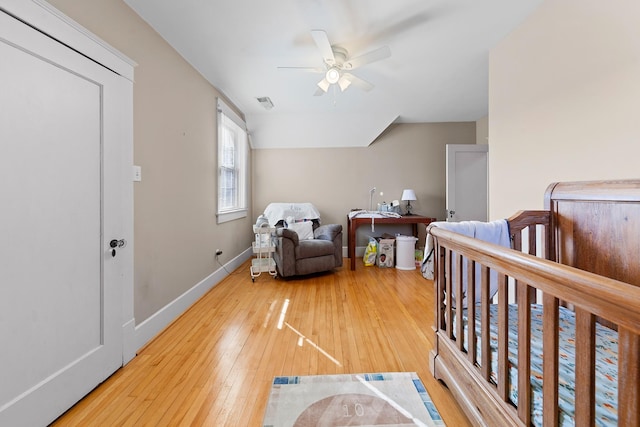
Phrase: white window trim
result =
(227, 111)
(230, 215)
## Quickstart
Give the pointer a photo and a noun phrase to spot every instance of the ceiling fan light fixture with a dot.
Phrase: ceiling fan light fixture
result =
(324, 84)
(344, 83)
(333, 75)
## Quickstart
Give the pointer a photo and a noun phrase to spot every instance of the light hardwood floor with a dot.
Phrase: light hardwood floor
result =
(214, 365)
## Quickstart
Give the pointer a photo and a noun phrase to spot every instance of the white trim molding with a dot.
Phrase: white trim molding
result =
(57, 25)
(147, 330)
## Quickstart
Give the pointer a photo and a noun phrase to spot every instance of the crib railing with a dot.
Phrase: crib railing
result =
(532, 226)
(534, 279)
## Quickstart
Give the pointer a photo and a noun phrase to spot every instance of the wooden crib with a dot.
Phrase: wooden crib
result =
(580, 255)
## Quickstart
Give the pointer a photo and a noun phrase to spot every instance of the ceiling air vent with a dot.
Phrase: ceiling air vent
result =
(265, 101)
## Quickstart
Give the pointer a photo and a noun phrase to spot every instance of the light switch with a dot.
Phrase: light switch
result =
(137, 173)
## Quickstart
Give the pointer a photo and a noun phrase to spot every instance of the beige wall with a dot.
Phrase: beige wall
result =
(339, 179)
(176, 234)
(564, 97)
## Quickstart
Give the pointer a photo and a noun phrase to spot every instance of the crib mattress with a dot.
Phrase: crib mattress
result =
(606, 361)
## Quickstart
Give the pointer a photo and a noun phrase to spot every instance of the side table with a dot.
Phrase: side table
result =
(355, 222)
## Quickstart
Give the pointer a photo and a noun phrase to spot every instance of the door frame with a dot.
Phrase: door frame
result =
(451, 175)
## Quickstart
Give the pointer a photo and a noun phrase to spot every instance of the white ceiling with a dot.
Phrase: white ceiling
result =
(437, 72)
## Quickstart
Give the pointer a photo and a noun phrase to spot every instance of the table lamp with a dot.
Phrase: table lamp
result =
(408, 195)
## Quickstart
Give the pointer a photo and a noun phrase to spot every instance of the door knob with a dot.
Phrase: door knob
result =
(113, 244)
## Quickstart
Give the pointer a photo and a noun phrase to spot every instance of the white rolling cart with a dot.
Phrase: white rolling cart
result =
(263, 249)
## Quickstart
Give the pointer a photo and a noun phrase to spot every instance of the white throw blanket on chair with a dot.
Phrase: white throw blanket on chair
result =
(299, 211)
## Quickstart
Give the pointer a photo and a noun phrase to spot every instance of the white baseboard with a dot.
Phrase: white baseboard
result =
(128, 341)
(152, 326)
(359, 251)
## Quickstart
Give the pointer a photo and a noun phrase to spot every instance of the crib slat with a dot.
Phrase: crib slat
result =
(448, 287)
(485, 319)
(550, 360)
(585, 368)
(471, 312)
(516, 244)
(503, 337)
(459, 297)
(524, 351)
(532, 239)
(440, 271)
(628, 385)
(533, 248)
(517, 241)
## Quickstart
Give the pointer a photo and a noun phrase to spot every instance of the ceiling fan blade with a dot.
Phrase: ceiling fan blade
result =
(322, 41)
(367, 58)
(306, 69)
(319, 92)
(358, 82)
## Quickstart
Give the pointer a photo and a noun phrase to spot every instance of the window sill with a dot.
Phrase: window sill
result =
(231, 216)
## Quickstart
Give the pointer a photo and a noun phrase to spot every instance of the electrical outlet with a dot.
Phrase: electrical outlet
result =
(218, 252)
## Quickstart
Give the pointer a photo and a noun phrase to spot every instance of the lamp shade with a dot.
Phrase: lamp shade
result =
(408, 194)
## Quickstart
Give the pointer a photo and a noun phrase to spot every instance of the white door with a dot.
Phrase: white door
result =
(61, 192)
(467, 182)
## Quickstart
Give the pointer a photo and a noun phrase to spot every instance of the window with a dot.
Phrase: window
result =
(232, 165)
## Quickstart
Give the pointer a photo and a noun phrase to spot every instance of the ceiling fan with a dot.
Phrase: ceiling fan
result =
(338, 64)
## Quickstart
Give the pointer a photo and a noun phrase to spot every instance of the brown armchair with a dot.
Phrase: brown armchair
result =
(296, 257)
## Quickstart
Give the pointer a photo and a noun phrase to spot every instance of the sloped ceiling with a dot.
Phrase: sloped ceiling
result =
(437, 71)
